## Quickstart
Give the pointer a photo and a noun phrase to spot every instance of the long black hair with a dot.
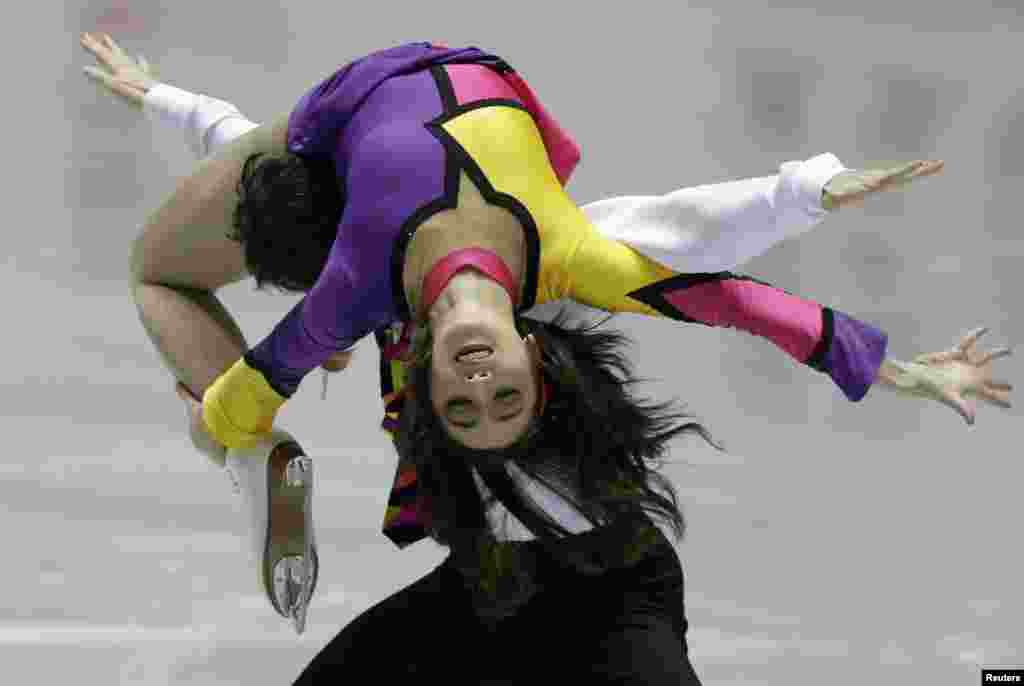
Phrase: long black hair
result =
(287, 218)
(596, 444)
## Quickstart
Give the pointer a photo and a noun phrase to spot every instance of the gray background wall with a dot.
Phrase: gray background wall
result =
(836, 543)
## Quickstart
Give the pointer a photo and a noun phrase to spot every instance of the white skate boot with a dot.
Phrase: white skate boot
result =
(275, 480)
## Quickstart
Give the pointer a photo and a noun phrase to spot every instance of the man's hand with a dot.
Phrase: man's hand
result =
(122, 75)
(850, 187)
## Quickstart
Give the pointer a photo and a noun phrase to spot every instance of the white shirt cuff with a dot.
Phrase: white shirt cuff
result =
(806, 181)
(168, 105)
(193, 114)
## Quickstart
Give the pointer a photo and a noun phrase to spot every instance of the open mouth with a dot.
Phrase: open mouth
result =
(474, 353)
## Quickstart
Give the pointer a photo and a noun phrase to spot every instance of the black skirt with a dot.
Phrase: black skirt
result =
(625, 625)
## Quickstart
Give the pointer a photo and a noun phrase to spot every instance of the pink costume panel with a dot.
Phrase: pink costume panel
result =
(792, 323)
(473, 82)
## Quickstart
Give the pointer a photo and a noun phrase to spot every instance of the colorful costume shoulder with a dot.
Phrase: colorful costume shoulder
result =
(380, 120)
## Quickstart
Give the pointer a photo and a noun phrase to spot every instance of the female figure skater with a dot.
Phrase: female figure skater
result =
(497, 179)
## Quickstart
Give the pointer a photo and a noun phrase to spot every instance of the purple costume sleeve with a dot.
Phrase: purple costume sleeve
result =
(326, 320)
(854, 354)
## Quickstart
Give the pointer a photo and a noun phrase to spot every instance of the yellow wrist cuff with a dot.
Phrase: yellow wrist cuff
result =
(240, 406)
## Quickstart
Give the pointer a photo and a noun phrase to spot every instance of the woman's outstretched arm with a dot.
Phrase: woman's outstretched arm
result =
(615, 278)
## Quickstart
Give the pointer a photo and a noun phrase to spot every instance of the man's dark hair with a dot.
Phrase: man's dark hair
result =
(594, 437)
(287, 218)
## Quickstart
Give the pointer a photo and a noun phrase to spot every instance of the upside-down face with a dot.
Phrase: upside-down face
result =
(484, 378)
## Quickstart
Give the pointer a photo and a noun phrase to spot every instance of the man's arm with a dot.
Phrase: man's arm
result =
(719, 226)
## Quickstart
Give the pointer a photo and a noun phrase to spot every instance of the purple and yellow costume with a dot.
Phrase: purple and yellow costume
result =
(401, 125)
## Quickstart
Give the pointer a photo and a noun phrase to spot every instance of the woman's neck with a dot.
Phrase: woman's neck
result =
(473, 223)
(466, 290)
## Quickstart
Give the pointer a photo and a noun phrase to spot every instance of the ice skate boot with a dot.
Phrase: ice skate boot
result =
(275, 481)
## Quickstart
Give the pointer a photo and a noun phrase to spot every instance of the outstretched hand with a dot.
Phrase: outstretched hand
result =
(955, 375)
(119, 73)
(850, 187)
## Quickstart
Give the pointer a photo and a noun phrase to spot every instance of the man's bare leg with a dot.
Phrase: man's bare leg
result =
(183, 256)
(179, 261)
(195, 335)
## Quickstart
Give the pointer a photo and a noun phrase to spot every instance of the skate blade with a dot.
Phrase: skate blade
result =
(290, 563)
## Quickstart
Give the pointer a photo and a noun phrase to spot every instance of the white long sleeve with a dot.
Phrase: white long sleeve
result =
(717, 227)
(207, 123)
